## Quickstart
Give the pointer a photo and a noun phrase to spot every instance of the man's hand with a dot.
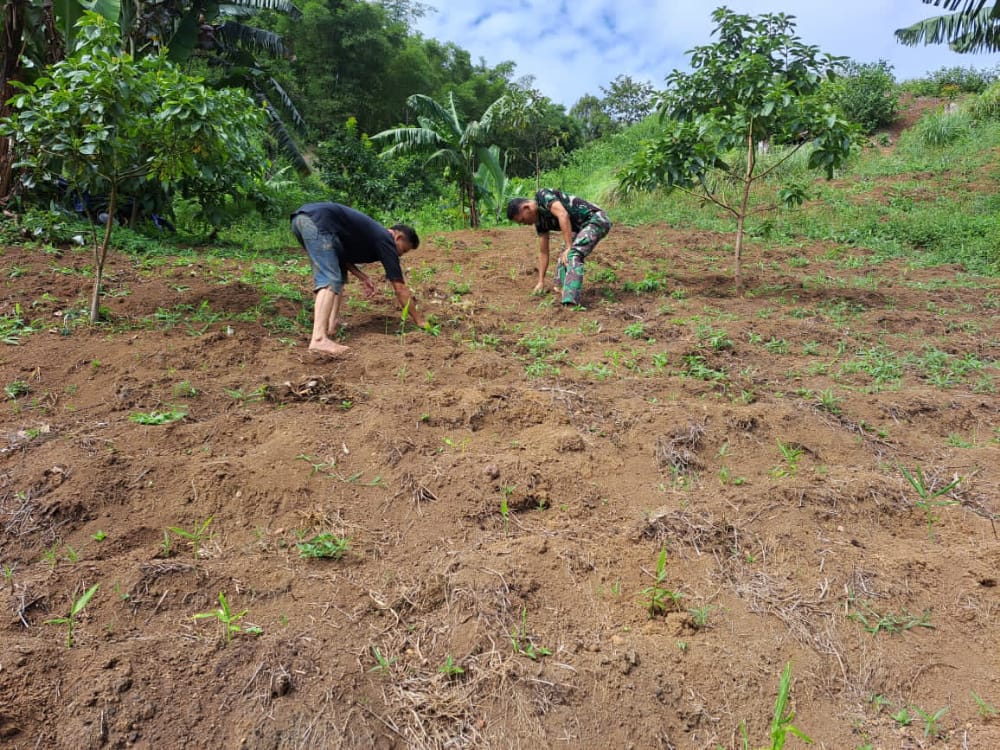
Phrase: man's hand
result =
(370, 289)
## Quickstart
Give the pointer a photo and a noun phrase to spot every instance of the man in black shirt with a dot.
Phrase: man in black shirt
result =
(338, 238)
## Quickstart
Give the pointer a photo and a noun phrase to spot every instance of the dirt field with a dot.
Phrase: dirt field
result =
(505, 490)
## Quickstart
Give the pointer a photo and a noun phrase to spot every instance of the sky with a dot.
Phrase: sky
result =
(575, 47)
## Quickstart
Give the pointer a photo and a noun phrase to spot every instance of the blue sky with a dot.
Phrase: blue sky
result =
(574, 47)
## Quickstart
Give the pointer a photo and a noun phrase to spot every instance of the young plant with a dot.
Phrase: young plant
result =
(195, 537)
(523, 643)
(382, 663)
(986, 711)
(781, 723)
(931, 720)
(928, 501)
(228, 619)
(157, 417)
(657, 598)
(70, 620)
(791, 453)
(450, 668)
(325, 545)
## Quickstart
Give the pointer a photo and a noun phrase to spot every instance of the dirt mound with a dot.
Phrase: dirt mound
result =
(487, 508)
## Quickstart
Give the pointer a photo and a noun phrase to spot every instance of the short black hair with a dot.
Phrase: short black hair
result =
(409, 232)
(514, 207)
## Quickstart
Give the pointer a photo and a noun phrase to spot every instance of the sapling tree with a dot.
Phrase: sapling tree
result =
(109, 124)
(757, 84)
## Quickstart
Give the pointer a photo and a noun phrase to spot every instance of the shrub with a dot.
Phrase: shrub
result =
(867, 95)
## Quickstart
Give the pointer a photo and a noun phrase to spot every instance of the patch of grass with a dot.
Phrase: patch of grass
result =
(157, 417)
(324, 546)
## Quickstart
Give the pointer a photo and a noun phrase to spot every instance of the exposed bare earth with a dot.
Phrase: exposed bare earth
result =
(604, 441)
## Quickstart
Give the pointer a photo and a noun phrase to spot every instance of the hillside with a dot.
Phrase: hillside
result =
(505, 489)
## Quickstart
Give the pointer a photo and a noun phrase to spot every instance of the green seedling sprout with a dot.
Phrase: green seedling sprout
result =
(931, 720)
(228, 618)
(70, 620)
(195, 537)
(522, 642)
(658, 598)
(928, 497)
(382, 662)
(450, 668)
(781, 723)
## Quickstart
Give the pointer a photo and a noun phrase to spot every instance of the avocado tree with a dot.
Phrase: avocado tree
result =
(757, 85)
(106, 123)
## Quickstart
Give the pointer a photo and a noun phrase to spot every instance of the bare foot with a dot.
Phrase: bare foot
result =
(328, 348)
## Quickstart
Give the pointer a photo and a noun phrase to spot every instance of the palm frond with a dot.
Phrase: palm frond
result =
(236, 35)
(969, 7)
(285, 141)
(249, 7)
(964, 33)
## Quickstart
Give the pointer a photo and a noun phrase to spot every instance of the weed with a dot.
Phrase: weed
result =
(99, 536)
(523, 643)
(985, 709)
(928, 495)
(184, 389)
(828, 402)
(195, 537)
(70, 620)
(700, 615)
(657, 598)
(902, 717)
(790, 453)
(382, 663)
(228, 619)
(8, 576)
(157, 417)
(875, 623)
(325, 545)
(16, 388)
(450, 668)
(931, 720)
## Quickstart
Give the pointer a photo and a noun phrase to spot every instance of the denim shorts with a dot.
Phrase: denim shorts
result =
(324, 253)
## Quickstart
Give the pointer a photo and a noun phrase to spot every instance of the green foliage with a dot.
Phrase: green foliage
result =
(196, 537)
(657, 598)
(157, 417)
(70, 620)
(325, 545)
(758, 83)
(951, 80)
(866, 94)
(781, 722)
(228, 619)
(111, 125)
(523, 643)
(943, 127)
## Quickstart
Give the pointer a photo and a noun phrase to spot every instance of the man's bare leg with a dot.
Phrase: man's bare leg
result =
(326, 303)
(331, 329)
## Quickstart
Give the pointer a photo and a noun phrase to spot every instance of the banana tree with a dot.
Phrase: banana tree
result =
(446, 140)
(492, 183)
(974, 28)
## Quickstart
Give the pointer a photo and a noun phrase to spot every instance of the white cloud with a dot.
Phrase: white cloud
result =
(575, 47)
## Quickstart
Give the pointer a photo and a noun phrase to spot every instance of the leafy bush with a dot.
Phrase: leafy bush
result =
(986, 106)
(949, 81)
(867, 95)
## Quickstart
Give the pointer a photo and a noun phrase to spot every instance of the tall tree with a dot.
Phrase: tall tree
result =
(103, 121)
(974, 28)
(447, 140)
(757, 83)
(628, 101)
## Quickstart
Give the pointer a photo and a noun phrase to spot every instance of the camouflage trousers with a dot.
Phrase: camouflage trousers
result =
(569, 276)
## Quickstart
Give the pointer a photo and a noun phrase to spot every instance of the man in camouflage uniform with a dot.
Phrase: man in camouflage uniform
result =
(582, 225)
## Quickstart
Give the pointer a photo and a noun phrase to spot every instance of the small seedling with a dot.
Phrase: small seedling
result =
(450, 668)
(700, 615)
(928, 495)
(985, 709)
(902, 717)
(8, 576)
(791, 453)
(99, 536)
(931, 720)
(324, 546)
(523, 643)
(70, 620)
(875, 623)
(657, 598)
(382, 663)
(781, 723)
(196, 537)
(228, 619)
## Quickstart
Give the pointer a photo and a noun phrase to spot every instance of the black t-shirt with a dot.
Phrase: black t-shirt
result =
(362, 239)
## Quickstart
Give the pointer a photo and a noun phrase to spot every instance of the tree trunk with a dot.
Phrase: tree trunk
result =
(101, 255)
(10, 69)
